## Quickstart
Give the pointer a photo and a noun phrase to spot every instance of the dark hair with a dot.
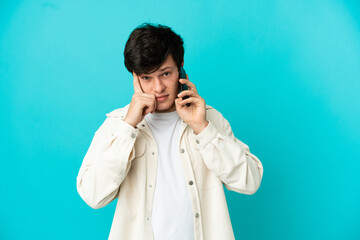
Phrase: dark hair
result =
(148, 47)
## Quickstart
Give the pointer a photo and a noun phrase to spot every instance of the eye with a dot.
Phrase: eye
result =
(145, 78)
(166, 74)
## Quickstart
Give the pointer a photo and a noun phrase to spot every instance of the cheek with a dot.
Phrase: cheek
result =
(174, 86)
(146, 87)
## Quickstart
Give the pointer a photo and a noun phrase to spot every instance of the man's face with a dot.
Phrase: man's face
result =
(164, 83)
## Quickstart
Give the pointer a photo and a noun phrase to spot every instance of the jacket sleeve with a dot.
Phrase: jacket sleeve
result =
(229, 158)
(106, 162)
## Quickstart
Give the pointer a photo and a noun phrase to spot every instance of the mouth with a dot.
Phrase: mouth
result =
(161, 98)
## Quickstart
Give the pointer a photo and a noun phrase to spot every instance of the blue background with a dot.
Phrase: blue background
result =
(286, 74)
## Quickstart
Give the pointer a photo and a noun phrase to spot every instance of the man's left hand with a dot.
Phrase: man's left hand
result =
(195, 114)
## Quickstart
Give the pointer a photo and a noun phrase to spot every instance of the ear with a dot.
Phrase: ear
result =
(182, 64)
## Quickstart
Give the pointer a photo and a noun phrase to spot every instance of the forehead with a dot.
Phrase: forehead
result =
(168, 64)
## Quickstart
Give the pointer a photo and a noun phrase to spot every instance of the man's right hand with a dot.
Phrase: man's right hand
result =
(140, 105)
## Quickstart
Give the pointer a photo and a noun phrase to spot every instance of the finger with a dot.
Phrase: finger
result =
(187, 93)
(147, 110)
(188, 100)
(150, 104)
(188, 83)
(143, 99)
(137, 86)
(147, 96)
(177, 104)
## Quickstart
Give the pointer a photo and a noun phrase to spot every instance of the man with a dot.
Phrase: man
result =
(166, 162)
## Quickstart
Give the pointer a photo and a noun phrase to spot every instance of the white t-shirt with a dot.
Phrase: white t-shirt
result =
(172, 214)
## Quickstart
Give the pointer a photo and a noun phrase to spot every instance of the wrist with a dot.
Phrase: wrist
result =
(129, 122)
(197, 128)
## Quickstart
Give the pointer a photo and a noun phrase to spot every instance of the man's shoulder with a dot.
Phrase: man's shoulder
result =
(211, 112)
(215, 117)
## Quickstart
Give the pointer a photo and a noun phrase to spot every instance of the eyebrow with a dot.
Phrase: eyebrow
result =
(163, 69)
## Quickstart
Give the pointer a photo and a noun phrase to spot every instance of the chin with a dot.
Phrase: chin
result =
(164, 107)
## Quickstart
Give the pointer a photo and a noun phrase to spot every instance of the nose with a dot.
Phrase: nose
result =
(159, 86)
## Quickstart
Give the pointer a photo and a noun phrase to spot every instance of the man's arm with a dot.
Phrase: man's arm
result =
(106, 162)
(226, 156)
(229, 158)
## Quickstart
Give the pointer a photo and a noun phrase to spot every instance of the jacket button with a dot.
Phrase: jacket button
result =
(191, 182)
(197, 141)
(197, 215)
(153, 153)
(182, 150)
(133, 135)
(143, 125)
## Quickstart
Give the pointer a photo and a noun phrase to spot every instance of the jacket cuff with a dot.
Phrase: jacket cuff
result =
(127, 131)
(206, 135)
(122, 128)
(125, 136)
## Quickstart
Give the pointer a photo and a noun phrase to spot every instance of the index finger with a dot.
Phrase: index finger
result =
(137, 86)
(187, 82)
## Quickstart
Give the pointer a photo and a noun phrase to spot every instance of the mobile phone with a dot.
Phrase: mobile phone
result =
(183, 87)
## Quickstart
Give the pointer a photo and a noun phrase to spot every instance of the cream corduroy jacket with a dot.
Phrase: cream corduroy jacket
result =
(121, 163)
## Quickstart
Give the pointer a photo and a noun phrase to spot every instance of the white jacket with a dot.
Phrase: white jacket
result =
(122, 163)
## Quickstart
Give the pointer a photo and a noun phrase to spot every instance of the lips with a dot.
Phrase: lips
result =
(161, 98)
